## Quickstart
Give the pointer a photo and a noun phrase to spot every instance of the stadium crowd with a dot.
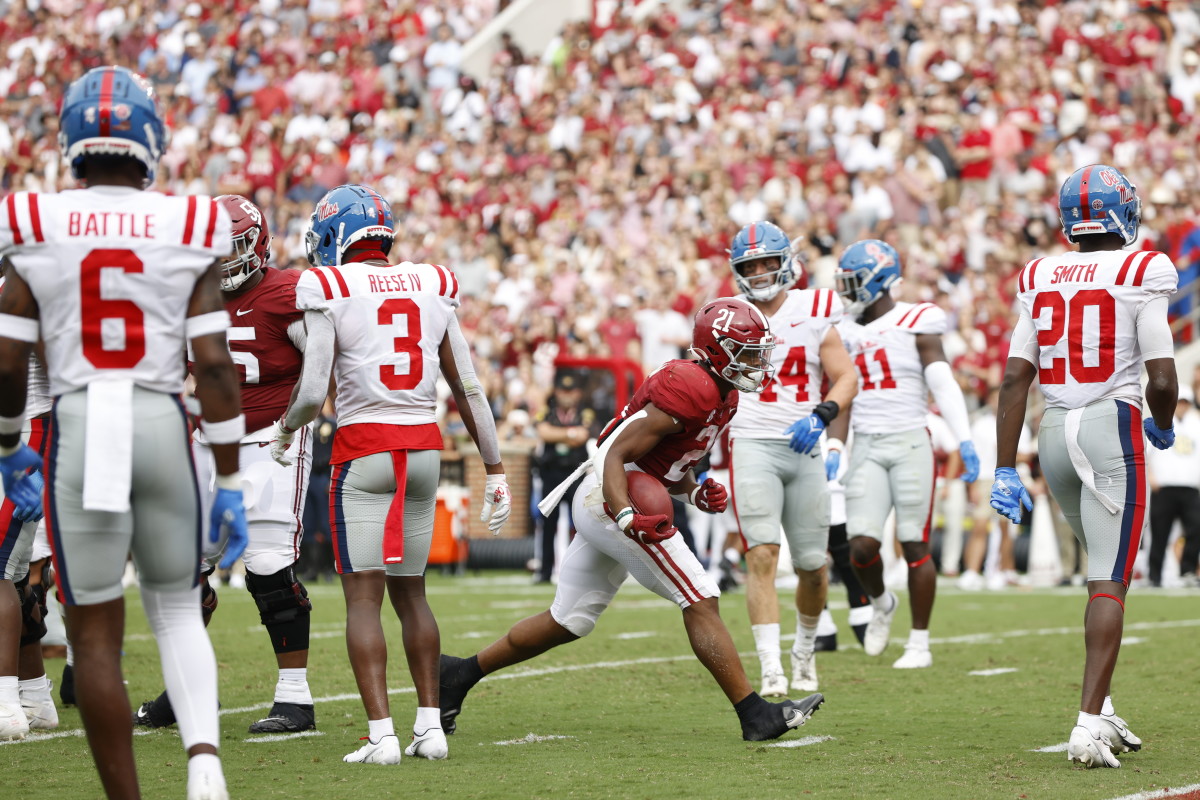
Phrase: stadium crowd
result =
(585, 195)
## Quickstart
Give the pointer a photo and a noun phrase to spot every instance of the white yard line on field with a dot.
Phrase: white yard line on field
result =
(1051, 748)
(986, 673)
(804, 742)
(530, 738)
(281, 737)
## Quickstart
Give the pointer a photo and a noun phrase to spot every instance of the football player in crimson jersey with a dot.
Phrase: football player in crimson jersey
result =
(673, 420)
(1089, 320)
(778, 474)
(266, 341)
(385, 332)
(897, 349)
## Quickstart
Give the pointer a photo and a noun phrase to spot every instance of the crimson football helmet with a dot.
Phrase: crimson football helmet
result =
(251, 241)
(733, 338)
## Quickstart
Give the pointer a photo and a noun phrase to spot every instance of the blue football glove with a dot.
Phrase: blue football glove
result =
(1009, 494)
(970, 461)
(23, 483)
(805, 433)
(1157, 436)
(832, 462)
(229, 513)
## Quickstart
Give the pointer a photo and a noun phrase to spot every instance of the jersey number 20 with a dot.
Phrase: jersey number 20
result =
(1069, 318)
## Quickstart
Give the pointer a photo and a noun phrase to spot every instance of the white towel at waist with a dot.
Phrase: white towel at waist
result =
(1079, 460)
(108, 446)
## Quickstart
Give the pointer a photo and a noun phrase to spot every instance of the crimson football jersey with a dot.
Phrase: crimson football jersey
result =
(688, 393)
(267, 360)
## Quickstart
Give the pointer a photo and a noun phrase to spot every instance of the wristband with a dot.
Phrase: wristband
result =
(21, 329)
(624, 518)
(692, 494)
(11, 425)
(283, 426)
(827, 411)
(835, 445)
(232, 481)
(227, 431)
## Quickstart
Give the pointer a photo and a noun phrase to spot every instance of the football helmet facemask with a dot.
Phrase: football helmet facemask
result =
(762, 240)
(866, 271)
(251, 241)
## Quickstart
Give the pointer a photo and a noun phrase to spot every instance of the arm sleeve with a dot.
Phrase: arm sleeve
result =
(1153, 329)
(940, 380)
(297, 334)
(1023, 343)
(314, 376)
(481, 411)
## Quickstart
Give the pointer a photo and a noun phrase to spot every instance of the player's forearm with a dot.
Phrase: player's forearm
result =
(949, 397)
(843, 390)
(14, 379)
(472, 401)
(1162, 391)
(1010, 413)
(309, 393)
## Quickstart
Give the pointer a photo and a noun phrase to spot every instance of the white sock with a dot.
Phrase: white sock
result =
(1107, 709)
(292, 687)
(885, 602)
(427, 719)
(36, 688)
(208, 764)
(918, 640)
(1089, 721)
(379, 728)
(766, 642)
(70, 654)
(9, 694)
(806, 633)
(188, 664)
(825, 625)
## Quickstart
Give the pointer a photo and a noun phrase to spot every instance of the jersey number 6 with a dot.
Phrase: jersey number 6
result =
(96, 309)
(410, 343)
(1069, 318)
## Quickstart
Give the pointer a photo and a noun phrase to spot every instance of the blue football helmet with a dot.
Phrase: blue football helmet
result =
(762, 240)
(1099, 199)
(345, 215)
(111, 111)
(866, 271)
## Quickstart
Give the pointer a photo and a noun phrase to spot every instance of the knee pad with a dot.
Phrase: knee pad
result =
(809, 561)
(33, 611)
(283, 607)
(208, 601)
(580, 619)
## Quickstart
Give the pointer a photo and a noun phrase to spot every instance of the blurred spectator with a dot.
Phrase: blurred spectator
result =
(1175, 492)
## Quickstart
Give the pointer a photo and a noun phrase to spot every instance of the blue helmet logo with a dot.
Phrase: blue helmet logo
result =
(1099, 199)
(762, 240)
(111, 111)
(866, 271)
(344, 216)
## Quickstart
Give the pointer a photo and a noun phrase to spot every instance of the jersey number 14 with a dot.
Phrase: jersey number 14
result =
(794, 372)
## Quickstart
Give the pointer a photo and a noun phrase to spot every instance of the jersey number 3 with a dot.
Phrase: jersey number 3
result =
(410, 344)
(96, 310)
(1069, 318)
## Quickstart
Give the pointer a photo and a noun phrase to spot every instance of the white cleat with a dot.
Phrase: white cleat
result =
(774, 684)
(385, 751)
(13, 724)
(40, 712)
(970, 581)
(914, 658)
(431, 744)
(207, 786)
(804, 671)
(879, 629)
(1090, 749)
(1120, 738)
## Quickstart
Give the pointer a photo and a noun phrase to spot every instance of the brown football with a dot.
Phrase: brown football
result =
(648, 496)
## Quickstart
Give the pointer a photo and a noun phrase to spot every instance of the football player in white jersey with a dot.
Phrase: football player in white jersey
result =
(1089, 320)
(779, 477)
(897, 349)
(115, 281)
(385, 331)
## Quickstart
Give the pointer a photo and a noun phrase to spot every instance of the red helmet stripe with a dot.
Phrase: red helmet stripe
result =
(105, 105)
(753, 237)
(1083, 193)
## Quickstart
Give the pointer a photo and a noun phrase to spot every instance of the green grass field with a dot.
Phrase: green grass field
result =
(629, 713)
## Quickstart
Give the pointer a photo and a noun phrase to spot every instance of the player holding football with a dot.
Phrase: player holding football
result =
(116, 281)
(1089, 320)
(897, 348)
(672, 421)
(385, 331)
(778, 474)
(266, 342)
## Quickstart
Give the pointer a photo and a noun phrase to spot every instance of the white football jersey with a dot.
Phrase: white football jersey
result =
(1084, 307)
(799, 327)
(390, 322)
(892, 394)
(113, 270)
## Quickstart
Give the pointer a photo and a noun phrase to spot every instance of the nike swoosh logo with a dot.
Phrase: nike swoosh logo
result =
(242, 313)
(794, 324)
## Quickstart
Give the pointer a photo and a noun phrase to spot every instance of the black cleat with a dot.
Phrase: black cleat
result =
(826, 644)
(780, 718)
(156, 713)
(453, 688)
(860, 631)
(287, 718)
(66, 687)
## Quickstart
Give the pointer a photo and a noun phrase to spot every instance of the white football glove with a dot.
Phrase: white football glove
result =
(281, 440)
(497, 503)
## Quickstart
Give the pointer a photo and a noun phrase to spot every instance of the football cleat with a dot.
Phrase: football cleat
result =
(779, 718)
(1090, 748)
(453, 690)
(804, 671)
(825, 644)
(431, 744)
(385, 751)
(879, 629)
(970, 581)
(286, 718)
(914, 658)
(13, 724)
(207, 786)
(40, 711)
(1121, 739)
(156, 713)
(774, 684)
(66, 688)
